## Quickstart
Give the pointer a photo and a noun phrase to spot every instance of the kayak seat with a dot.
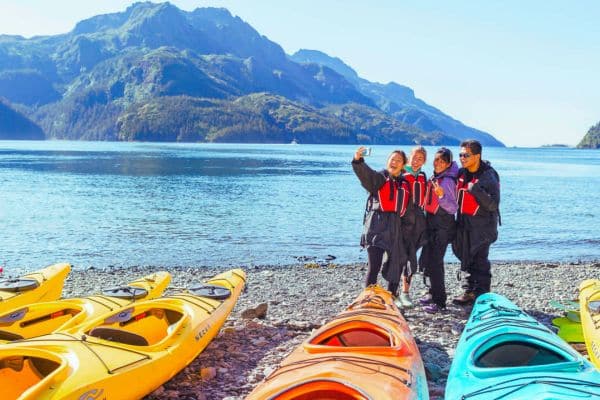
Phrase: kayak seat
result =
(119, 336)
(5, 335)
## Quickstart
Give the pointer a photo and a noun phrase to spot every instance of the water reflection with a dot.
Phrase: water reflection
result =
(230, 163)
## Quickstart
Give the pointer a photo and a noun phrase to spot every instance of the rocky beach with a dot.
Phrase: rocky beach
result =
(283, 304)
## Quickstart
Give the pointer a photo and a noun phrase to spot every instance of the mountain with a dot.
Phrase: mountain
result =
(264, 118)
(155, 72)
(15, 126)
(398, 101)
(592, 138)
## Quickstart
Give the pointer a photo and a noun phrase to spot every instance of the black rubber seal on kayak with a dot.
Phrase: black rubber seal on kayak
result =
(211, 291)
(18, 285)
(126, 292)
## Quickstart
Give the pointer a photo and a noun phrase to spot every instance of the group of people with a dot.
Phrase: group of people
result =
(406, 212)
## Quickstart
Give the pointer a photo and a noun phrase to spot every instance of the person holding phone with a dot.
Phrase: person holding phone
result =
(413, 221)
(478, 216)
(440, 207)
(387, 201)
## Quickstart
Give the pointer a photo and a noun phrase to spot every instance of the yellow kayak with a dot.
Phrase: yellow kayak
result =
(124, 354)
(43, 285)
(589, 301)
(46, 317)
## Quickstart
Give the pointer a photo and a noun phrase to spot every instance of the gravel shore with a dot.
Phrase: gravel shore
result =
(283, 304)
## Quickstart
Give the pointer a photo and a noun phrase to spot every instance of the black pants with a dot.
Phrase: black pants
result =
(441, 230)
(479, 280)
(375, 263)
(432, 260)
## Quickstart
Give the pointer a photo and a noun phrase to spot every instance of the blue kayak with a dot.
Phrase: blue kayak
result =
(504, 353)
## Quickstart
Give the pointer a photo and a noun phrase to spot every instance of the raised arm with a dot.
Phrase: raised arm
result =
(370, 179)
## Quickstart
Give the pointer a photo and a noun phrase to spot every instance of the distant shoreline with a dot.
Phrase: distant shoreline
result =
(557, 145)
(313, 263)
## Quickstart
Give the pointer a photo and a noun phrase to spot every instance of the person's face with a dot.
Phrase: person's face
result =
(439, 165)
(417, 159)
(395, 164)
(467, 158)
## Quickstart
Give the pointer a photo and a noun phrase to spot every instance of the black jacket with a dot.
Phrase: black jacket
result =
(381, 229)
(414, 233)
(475, 231)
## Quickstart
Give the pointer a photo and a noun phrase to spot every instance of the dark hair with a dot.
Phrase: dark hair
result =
(402, 154)
(445, 154)
(473, 145)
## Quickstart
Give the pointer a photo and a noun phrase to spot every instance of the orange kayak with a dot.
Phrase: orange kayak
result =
(366, 352)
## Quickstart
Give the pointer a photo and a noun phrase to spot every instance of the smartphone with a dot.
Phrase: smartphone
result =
(366, 152)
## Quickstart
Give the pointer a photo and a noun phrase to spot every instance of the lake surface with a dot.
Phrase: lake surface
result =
(101, 204)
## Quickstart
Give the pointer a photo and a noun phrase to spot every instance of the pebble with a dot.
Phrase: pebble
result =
(208, 373)
(296, 300)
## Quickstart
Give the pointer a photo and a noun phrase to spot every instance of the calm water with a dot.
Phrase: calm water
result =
(102, 204)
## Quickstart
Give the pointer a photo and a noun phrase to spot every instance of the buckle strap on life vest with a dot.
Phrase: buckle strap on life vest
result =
(417, 185)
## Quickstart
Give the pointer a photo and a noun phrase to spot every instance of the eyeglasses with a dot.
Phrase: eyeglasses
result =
(464, 155)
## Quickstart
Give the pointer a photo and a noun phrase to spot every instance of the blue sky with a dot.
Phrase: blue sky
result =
(524, 71)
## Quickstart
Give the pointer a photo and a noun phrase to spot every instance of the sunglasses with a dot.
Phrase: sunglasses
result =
(464, 155)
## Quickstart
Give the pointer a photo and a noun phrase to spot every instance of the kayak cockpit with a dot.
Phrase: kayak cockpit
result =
(321, 390)
(20, 373)
(36, 320)
(357, 335)
(517, 354)
(137, 328)
(354, 335)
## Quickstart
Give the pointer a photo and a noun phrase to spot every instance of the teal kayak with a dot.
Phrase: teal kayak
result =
(503, 353)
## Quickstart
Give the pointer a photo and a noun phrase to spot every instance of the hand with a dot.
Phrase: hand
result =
(359, 153)
(437, 189)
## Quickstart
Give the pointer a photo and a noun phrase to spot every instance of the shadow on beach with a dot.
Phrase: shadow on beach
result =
(227, 368)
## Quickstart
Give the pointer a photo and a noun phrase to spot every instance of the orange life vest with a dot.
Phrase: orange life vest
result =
(467, 203)
(417, 186)
(393, 196)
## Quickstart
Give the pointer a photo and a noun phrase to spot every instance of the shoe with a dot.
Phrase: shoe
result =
(398, 303)
(467, 298)
(433, 308)
(405, 300)
(426, 300)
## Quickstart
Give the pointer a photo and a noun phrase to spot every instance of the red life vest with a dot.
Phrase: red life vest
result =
(417, 186)
(467, 203)
(432, 203)
(393, 196)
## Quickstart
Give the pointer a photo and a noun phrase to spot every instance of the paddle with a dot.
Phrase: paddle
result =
(567, 305)
(568, 330)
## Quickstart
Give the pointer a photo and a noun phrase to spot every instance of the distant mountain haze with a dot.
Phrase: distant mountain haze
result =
(399, 101)
(157, 73)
